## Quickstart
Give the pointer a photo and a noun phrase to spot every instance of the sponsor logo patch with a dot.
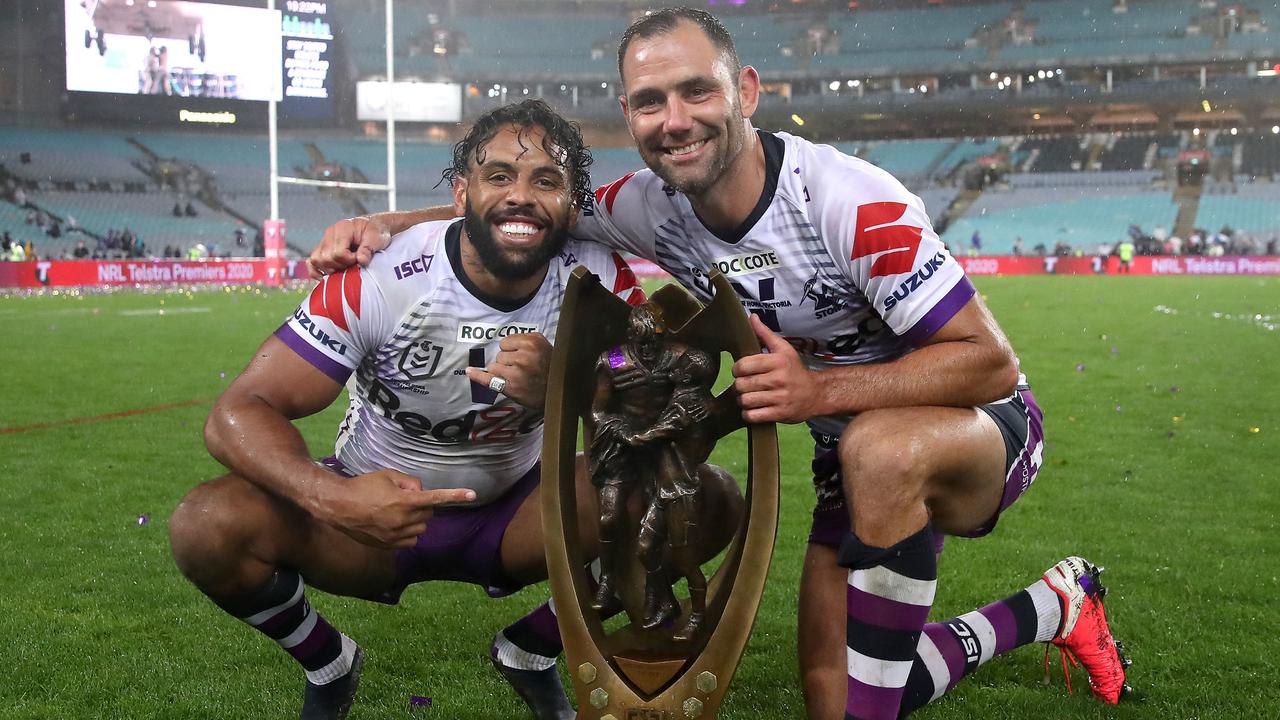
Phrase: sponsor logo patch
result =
(319, 335)
(488, 332)
(747, 263)
(915, 280)
(894, 246)
(334, 295)
(413, 267)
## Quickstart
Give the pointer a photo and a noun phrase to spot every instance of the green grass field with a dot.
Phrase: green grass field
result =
(1160, 465)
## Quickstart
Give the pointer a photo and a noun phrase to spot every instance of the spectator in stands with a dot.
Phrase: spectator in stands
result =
(1017, 246)
(1062, 249)
(81, 250)
(20, 197)
(190, 210)
(17, 253)
(6, 242)
(1160, 234)
(1040, 250)
(975, 244)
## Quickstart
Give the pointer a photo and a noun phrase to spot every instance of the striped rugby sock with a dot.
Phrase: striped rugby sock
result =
(530, 643)
(280, 610)
(890, 593)
(533, 642)
(950, 650)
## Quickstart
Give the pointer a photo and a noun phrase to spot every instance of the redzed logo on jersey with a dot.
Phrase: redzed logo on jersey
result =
(626, 281)
(606, 193)
(327, 299)
(875, 234)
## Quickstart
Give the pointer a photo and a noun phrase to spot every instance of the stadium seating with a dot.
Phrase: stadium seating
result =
(1253, 208)
(1079, 216)
(1079, 29)
(1261, 155)
(1053, 154)
(1128, 152)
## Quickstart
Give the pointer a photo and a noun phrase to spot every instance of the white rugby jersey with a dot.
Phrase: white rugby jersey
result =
(837, 256)
(408, 326)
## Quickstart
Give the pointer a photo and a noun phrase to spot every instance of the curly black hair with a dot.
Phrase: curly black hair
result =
(562, 140)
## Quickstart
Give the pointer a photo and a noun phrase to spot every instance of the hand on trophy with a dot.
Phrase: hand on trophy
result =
(776, 386)
(522, 363)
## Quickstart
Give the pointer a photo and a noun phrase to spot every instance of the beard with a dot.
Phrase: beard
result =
(511, 263)
(727, 145)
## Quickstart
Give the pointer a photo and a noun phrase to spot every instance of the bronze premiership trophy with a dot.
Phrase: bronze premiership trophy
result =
(640, 379)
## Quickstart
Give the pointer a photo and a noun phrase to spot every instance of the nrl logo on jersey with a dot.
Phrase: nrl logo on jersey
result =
(420, 359)
(488, 332)
(826, 299)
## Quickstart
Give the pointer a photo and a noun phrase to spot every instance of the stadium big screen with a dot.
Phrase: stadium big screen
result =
(190, 63)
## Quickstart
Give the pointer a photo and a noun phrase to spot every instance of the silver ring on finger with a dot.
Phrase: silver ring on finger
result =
(498, 384)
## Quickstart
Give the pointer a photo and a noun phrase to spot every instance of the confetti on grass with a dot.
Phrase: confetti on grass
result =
(419, 701)
(144, 518)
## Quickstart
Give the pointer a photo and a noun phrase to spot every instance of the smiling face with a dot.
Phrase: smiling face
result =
(684, 107)
(516, 203)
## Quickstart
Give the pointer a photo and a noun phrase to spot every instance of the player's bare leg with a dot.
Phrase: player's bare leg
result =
(249, 551)
(908, 473)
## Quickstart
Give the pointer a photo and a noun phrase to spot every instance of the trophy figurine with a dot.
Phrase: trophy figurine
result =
(640, 380)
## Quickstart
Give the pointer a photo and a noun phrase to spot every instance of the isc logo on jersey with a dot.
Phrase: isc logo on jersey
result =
(488, 332)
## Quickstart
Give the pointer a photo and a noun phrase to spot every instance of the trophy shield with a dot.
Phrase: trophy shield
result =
(670, 670)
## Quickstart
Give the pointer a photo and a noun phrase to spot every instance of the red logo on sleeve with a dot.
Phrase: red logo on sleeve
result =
(625, 285)
(605, 194)
(329, 297)
(876, 234)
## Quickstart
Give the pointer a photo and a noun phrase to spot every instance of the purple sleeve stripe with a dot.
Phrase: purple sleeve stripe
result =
(941, 312)
(883, 612)
(322, 362)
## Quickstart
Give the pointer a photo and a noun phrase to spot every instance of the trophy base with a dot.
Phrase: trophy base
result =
(649, 671)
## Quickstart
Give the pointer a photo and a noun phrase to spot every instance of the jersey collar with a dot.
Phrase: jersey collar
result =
(773, 151)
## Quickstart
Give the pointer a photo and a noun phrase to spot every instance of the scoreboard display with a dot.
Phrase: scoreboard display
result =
(307, 36)
(185, 62)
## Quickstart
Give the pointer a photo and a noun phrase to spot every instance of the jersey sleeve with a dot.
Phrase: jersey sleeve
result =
(338, 323)
(618, 217)
(614, 272)
(881, 236)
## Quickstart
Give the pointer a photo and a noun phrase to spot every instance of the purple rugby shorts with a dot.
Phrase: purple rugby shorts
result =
(462, 544)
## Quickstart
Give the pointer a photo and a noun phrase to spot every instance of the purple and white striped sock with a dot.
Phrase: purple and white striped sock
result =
(530, 643)
(952, 649)
(280, 610)
(890, 593)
